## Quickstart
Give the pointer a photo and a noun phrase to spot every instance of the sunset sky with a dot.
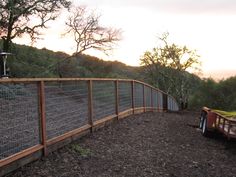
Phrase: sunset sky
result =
(207, 26)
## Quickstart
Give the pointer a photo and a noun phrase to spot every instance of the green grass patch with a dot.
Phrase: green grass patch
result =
(231, 114)
(80, 150)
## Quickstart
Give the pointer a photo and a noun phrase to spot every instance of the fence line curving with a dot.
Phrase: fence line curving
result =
(35, 114)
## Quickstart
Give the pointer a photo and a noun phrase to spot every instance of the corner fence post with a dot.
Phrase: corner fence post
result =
(43, 116)
(117, 97)
(132, 94)
(165, 102)
(90, 104)
(144, 97)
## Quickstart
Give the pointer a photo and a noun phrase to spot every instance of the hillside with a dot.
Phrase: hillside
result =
(32, 62)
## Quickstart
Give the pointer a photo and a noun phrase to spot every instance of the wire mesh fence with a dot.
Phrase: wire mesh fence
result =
(160, 100)
(125, 96)
(155, 99)
(148, 95)
(66, 106)
(138, 95)
(19, 118)
(172, 105)
(104, 103)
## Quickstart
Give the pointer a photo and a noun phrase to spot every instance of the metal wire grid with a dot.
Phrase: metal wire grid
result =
(148, 95)
(155, 99)
(66, 109)
(138, 95)
(104, 101)
(174, 105)
(125, 95)
(169, 103)
(19, 118)
(66, 105)
(160, 100)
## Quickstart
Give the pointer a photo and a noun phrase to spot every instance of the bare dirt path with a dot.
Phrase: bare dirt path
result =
(149, 144)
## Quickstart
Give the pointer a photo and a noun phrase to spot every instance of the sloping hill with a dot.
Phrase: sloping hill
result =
(32, 62)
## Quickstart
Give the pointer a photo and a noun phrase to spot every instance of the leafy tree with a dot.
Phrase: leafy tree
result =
(217, 95)
(85, 27)
(204, 95)
(167, 67)
(20, 17)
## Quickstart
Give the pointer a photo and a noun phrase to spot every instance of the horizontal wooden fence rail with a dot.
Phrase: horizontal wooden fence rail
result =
(36, 114)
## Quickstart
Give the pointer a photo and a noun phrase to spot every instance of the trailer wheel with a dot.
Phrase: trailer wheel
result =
(205, 131)
(201, 121)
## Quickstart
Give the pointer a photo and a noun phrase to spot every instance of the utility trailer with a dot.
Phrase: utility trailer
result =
(214, 120)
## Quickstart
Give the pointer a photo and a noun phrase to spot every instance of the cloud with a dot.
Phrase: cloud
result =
(172, 6)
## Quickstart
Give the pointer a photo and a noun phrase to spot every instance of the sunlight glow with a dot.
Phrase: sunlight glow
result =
(211, 33)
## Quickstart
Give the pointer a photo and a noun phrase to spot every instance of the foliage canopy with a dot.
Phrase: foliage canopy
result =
(167, 67)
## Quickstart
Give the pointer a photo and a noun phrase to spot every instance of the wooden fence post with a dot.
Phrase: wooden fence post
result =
(133, 95)
(117, 97)
(165, 102)
(144, 99)
(43, 116)
(90, 104)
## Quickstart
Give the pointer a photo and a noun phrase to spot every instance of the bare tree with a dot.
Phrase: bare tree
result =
(84, 25)
(19, 17)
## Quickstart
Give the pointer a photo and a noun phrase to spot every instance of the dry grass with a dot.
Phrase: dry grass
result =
(226, 114)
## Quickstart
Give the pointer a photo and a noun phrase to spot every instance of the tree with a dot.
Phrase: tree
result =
(19, 17)
(88, 34)
(167, 67)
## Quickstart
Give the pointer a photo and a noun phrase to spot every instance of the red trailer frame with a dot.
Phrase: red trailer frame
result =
(212, 121)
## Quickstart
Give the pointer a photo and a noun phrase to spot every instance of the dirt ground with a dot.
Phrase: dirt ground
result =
(149, 144)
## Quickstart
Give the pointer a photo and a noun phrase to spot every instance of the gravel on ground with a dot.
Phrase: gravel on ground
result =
(148, 144)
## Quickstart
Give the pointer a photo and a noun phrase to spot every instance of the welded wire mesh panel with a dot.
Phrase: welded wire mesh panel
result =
(104, 103)
(169, 103)
(66, 106)
(154, 98)
(125, 96)
(138, 95)
(175, 106)
(148, 95)
(172, 104)
(19, 118)
(160, 100)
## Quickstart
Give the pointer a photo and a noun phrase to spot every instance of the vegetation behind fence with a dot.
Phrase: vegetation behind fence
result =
(37, 113)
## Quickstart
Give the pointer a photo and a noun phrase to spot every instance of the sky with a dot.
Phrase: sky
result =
(207, 26)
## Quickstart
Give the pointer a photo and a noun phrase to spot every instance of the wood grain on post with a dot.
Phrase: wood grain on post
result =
(117, 97)
(144, 97)
(90, 104)
(133, 96)
(165, 102)
(43, 116)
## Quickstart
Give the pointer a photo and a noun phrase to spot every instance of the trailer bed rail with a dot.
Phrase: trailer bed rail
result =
(211, 120)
